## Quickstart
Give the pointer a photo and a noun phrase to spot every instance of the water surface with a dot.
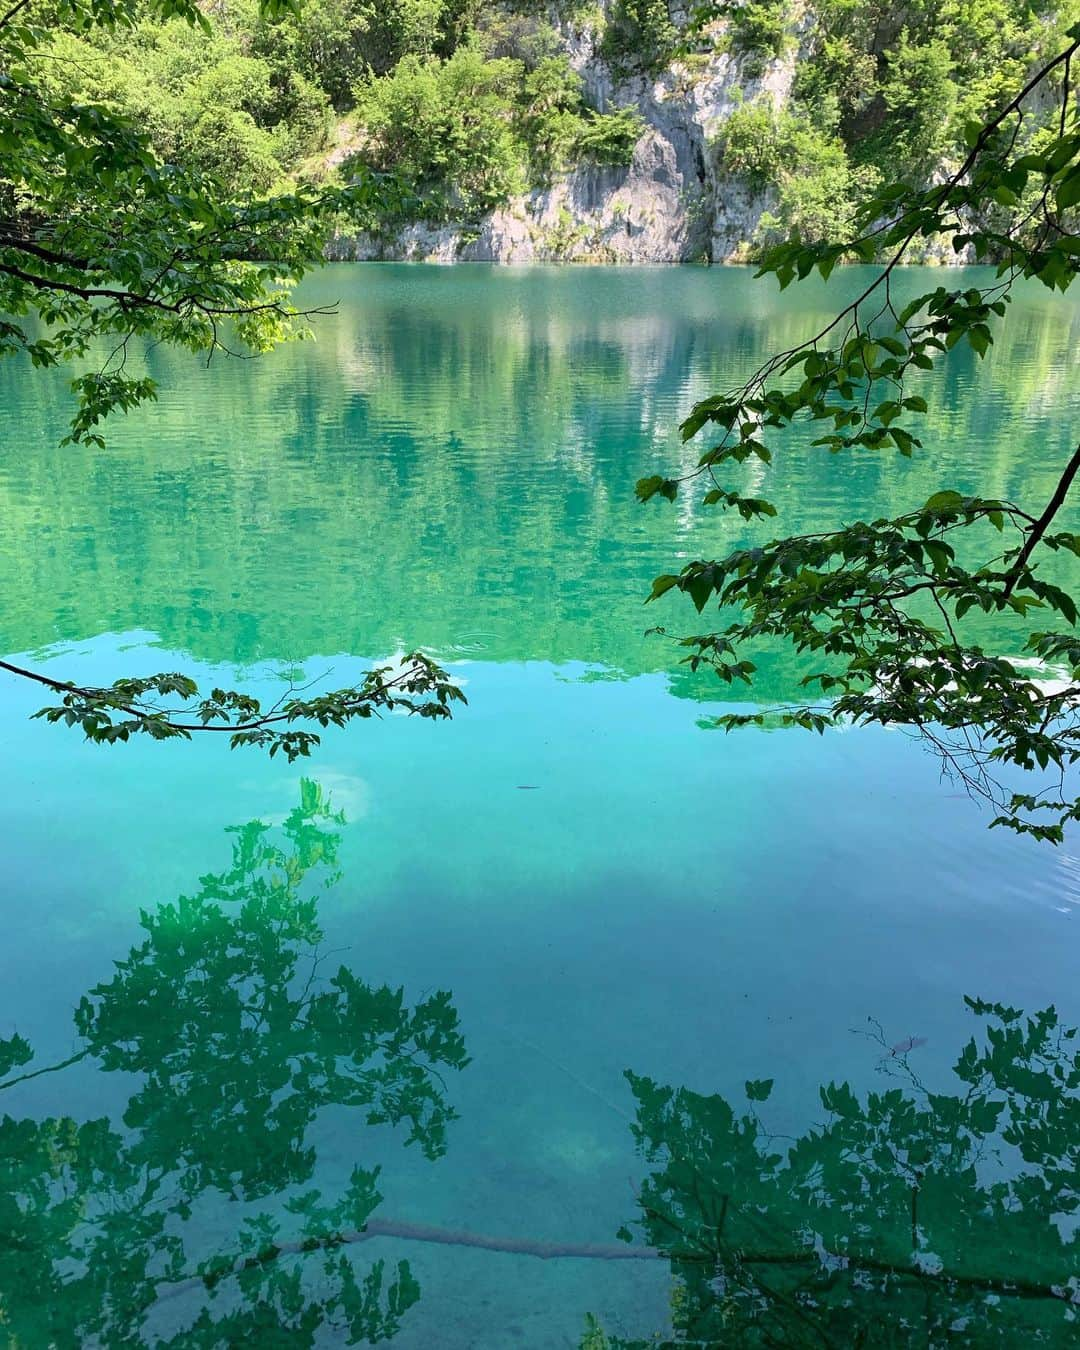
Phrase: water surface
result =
(570, 881)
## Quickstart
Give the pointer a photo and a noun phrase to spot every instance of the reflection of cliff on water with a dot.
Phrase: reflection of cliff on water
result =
(199, 1212)
(452, 464)
(919, 1214)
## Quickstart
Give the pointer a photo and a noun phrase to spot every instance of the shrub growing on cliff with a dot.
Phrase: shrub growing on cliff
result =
(558, 130)
(447, 128)
(893, 86)
(813, 181)
(756, 28)
(921, 98)
(908, 79)
(640, 35)
(469, 132)
(335, 43)
(609, 138)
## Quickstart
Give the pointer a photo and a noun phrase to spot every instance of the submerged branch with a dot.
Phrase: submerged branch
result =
(547, 1251)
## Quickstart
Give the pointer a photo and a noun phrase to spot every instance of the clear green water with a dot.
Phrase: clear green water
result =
(598, 884)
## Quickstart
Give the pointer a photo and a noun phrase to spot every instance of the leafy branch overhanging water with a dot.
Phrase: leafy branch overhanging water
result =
(884, 601)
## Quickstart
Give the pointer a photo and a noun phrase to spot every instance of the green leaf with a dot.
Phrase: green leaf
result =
(940, 555)
(944, 501)
(839, 1099)
(1068, 190)
(700, 588)
(980, 339)
(662, 585)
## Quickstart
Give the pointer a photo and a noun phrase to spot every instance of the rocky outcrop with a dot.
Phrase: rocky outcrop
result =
(651, 212)
(673, 203)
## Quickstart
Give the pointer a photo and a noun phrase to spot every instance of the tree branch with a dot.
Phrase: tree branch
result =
(52, 1068)
(275, 715)
(1041, 525)
(135, 300)
(547, 1251)
(7, 18)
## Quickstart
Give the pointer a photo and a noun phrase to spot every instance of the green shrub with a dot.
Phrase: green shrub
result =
(640, 35)
(550, 115)
(749, 144)
(816, 185)
(609, 138)
(560, 130)
(447, 128)
(837, 83)
(336, 43)
(901, 81)
(920, 95)
(469, 132)
(757, 27)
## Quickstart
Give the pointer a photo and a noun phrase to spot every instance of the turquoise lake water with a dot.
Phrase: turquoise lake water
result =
(598, 883)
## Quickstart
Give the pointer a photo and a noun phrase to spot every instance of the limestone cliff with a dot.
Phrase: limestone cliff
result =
(673, 203)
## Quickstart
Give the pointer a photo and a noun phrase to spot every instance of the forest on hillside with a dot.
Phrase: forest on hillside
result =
(470, 102)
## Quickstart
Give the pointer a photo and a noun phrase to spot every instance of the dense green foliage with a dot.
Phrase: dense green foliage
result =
(470, 131)
(815, 183)
(639, 34)
(469, 103)
(881, 92)
(228, 102)
(884, 604)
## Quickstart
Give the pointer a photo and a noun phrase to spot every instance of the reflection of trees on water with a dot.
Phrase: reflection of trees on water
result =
(240, 1035)
(477, 441)
(918, 1214)
(907, 1217)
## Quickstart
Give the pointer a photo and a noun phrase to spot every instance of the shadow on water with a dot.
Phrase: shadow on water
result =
(202, 1212)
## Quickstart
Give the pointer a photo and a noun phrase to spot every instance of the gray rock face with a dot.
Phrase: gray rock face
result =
(674, 203)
